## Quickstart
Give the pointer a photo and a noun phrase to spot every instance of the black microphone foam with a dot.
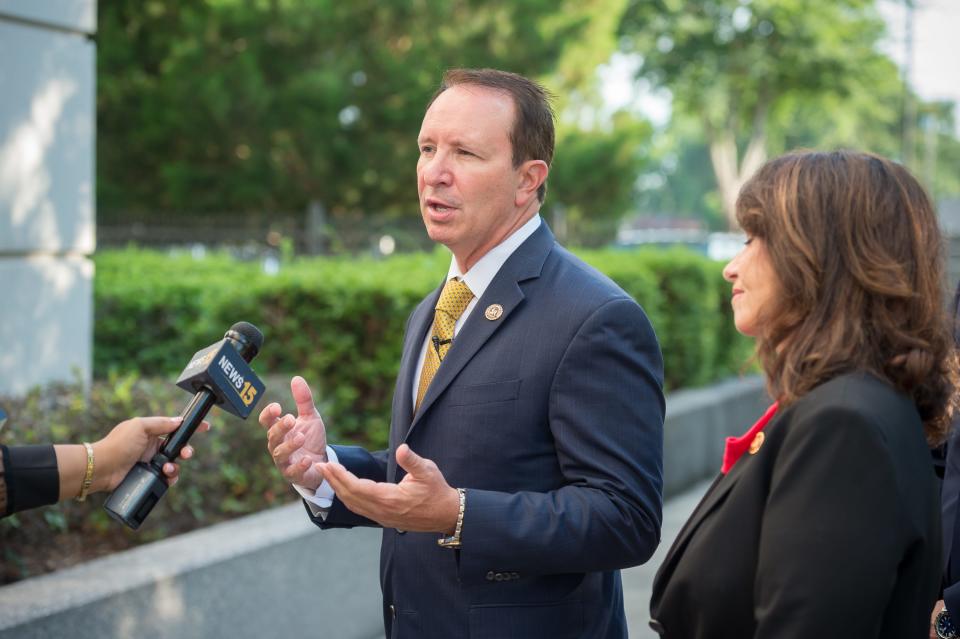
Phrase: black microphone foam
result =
(249, 336)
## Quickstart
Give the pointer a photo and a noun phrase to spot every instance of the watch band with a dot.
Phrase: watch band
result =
(453, 541)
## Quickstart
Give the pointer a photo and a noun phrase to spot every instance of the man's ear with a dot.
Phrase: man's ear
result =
(532, 174)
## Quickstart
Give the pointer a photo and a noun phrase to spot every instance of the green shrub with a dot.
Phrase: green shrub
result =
(339, 322)
(687, 284)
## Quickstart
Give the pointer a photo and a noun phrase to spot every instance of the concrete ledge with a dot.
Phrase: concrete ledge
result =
(274, 574)
(698, 423)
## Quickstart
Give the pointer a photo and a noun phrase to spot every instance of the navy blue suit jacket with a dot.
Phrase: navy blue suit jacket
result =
(949, 495)
(551, 418)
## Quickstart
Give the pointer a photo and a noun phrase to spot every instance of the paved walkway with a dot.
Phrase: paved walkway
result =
(637, 582)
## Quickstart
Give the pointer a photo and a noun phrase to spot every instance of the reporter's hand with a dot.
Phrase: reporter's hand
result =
(296, 444)
(134, 440)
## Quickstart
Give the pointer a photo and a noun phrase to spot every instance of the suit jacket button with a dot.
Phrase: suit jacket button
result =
(490, 576)
(401, 532)
(393, 612)
(657, 627)
(498, 576)
(514, 575)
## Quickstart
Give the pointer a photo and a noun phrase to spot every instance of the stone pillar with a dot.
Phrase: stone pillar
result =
(47, 221)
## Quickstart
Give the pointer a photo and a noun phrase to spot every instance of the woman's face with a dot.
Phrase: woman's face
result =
(755, 286)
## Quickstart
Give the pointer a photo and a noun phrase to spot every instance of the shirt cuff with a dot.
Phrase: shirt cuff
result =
(320, 500)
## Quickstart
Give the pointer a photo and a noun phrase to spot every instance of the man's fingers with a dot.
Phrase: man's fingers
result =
(294, 472)
(303, 397)
(367, 498)
(269, 414)
(186, 452)
(277, 433)
(160, 425)
(281, 454)
(336, 475)
(347, 485)
(171, 470)
(411, 462)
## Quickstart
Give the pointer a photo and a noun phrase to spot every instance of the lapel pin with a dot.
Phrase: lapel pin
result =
(756, 443)
(493, 312)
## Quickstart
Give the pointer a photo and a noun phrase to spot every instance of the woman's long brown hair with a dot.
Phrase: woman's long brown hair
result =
(855, 244)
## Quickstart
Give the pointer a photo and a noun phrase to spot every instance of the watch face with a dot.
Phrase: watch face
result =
(944, 626)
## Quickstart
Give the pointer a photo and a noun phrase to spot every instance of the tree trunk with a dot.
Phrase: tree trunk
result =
(730, 171)
(723, 157)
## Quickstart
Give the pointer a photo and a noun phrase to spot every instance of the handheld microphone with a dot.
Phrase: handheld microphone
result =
(218, 375)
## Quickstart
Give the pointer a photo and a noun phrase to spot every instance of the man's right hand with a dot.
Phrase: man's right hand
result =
(296, 443)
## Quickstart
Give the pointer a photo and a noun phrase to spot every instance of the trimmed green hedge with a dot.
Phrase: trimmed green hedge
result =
(339, 322)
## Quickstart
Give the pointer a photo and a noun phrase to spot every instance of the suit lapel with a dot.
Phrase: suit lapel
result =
(714, 497)
(525, 263)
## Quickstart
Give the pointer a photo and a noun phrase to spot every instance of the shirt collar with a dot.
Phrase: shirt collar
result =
(479, 277)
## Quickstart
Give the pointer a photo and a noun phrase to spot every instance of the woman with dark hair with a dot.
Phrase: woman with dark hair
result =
(824, 520)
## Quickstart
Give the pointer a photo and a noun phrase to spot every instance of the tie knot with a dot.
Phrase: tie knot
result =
(454, 298)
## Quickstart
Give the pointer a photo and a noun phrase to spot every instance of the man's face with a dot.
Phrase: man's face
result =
(471, 196)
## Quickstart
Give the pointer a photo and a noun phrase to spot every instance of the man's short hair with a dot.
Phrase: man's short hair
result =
(532, 136)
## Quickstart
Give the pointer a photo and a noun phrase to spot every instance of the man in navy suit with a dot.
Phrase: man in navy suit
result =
(946, 614)
(530, 388)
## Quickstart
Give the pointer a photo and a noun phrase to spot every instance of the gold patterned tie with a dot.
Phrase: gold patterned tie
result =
(454, 299)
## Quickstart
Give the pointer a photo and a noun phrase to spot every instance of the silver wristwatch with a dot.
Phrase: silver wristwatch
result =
(943, 625)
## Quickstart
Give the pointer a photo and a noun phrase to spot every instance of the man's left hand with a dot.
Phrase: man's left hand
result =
(423, 501)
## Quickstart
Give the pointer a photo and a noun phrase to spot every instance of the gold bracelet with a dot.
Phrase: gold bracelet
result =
(88, 477)
(454, 540)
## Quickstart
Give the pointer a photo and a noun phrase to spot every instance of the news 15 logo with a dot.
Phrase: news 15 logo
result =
(220, 369)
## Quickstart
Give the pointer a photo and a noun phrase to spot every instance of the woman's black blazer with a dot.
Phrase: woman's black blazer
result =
(830, 530)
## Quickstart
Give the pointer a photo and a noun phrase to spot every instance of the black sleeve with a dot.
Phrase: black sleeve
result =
(29, 478)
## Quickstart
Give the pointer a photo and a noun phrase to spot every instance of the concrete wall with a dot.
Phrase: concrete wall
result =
(698, 423)
(274, 574)
(47, 121)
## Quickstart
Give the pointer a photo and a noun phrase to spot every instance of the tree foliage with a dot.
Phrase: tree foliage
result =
(740, 65)
(591, 177)
(267, 105)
